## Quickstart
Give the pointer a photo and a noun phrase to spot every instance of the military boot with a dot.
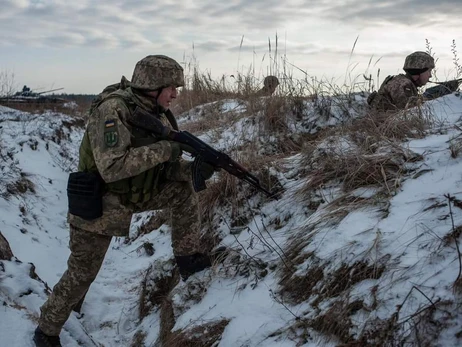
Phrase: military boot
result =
(190, 264)
(43, 340)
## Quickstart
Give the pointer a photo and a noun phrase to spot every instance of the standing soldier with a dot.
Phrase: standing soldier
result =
(400, 92)
(124, 170)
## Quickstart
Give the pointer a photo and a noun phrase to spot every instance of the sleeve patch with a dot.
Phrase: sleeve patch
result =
(111, 135)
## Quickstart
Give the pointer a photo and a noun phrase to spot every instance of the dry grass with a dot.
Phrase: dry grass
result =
(318, 285)
(336, 322)
(355, 159)
(365, 152)
(138, 339)
(399, 126)
(455, 145)
(5, 250)
(155, 290)
(229, 193)
(204, 335)
(201, 89)
(155, 221)
(452, 236)
(21, 186)
(346, 276)
(295, 288)
(167, 322)
(422, 328)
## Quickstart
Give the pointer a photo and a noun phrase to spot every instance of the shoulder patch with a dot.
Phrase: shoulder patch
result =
(111, 136)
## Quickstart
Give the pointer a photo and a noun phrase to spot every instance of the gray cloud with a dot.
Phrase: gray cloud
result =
(211, 25)
(409, 12)
(206, 17)
(64, 40)
(211, 45)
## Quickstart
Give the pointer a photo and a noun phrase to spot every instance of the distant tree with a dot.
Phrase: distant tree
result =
(7, 84)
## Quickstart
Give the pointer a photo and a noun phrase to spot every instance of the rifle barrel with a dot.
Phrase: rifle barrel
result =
(444, 82)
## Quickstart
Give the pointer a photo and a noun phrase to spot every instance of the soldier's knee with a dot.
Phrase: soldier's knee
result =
(185, 189)
(184, 194)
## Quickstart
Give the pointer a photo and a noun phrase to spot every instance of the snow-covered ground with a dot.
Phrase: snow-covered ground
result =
(413, 260)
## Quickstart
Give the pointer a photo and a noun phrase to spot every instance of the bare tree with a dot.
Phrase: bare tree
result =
(7, 83)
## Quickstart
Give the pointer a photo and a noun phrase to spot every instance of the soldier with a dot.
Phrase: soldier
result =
(126, 170)
(400, 92)
(269, 86)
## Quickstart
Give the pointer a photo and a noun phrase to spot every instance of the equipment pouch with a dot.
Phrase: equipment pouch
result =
(85, 195)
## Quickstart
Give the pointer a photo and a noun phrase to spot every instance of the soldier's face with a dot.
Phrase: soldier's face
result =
(165, 97)
(425, 77)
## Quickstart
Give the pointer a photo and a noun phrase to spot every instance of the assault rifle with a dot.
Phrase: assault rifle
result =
(201, 151)
(442, 88)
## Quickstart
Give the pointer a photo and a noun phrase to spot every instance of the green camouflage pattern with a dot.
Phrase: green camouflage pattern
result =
(182, 204)
(118, 162)
(124, 161)
(157, 71)
(419, 60)
(89, 248)
(87, 255)
(89, 240)
(397, 94)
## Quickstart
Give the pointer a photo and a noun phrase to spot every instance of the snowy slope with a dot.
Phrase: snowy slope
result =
(408, 258)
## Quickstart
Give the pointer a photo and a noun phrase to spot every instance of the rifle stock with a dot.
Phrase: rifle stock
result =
(202, 152)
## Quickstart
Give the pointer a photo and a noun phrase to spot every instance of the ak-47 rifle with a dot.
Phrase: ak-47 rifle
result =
(201, 151)
(442, 88)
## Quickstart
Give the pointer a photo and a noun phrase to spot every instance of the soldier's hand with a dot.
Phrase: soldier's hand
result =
(187, 148)
(176, 151)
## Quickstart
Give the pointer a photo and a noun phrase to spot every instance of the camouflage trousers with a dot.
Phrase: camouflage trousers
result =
(87, 255)
(89, 248)
(182, 204)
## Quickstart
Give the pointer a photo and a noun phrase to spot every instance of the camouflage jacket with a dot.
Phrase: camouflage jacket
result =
(132, 163)
(396, 93)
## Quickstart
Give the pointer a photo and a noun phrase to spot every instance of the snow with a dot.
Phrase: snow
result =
(409, 240)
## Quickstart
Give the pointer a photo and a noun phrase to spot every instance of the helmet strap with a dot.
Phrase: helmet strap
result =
(158, 92)
(159, 108)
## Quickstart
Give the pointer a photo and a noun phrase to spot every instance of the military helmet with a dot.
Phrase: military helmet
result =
(271, 81)
(157, 71)
(419, 61)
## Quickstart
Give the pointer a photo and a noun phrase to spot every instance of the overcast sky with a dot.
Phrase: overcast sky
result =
(86, 45)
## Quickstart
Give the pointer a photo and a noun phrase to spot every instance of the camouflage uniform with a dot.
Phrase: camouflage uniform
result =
(139, 175)
(400, 92)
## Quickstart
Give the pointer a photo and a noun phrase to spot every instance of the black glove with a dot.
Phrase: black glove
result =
(178, 149)
(187, 148)
(206, 170)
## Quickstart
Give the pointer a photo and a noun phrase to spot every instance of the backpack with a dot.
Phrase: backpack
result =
(372, 96)
(123, 84)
